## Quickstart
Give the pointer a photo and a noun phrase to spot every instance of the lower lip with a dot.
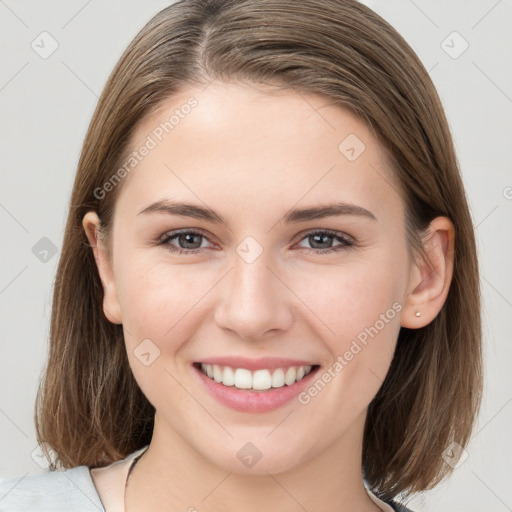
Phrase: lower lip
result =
(245, 400)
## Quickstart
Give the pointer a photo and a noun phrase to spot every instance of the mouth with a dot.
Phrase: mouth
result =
(262, 379)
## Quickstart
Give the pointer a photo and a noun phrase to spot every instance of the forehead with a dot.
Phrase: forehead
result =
(240, 144)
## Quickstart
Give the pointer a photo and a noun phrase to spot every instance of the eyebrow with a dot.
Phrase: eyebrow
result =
(293, 216)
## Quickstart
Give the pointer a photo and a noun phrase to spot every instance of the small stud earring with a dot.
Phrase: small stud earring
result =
(417, 313)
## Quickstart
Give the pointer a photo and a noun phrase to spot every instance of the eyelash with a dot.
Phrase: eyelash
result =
(346, 242)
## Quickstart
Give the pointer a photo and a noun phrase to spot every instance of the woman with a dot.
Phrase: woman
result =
(321, 353)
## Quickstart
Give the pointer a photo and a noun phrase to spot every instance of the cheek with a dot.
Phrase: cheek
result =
(347, 300)
(160, 301)
(358, 310)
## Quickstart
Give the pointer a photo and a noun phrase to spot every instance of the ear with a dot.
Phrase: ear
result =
(429, 282)
(111, 306)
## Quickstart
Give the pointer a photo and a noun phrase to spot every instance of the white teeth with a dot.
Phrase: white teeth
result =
(228, 377)
(259, 380)
(217, 373)
(291, 376)
(243, 379)
(278, 378)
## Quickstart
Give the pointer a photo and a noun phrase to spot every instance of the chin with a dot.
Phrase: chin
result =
(257, 456)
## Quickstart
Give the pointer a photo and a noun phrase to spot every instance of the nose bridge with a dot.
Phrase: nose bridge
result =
(251, 302)
(251, 280)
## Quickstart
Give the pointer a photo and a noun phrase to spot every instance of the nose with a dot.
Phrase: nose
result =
(253, 301)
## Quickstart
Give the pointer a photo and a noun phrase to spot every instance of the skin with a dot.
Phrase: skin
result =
(251, 156)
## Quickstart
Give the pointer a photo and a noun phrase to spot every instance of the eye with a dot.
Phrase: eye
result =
(189, 242)
(322, 241)
(192, 241)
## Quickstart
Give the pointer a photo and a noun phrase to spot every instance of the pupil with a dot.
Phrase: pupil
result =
(188, 240)
(321, 239)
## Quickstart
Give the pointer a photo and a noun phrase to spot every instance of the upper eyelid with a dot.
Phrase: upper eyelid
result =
(330, 232)
(174, 233)
(299, 237)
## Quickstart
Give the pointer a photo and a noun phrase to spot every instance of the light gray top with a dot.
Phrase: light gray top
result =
(72, 490)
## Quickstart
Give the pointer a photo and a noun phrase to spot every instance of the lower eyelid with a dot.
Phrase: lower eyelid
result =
(344, 241)
(166, 239)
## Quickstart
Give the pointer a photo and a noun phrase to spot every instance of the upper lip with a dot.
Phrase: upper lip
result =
(255, 364)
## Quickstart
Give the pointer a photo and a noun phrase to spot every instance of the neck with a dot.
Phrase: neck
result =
(172, 474)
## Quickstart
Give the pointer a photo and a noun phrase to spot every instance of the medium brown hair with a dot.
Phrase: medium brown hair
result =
(89, 407)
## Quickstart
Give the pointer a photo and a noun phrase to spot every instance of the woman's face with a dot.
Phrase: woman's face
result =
(258, 277)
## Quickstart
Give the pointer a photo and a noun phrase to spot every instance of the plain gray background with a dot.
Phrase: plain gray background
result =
(46, 104)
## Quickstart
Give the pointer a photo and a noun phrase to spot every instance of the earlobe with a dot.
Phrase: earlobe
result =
(430, 280)
(111, 306)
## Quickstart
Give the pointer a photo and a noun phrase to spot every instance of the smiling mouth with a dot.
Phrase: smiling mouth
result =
(255, 380)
